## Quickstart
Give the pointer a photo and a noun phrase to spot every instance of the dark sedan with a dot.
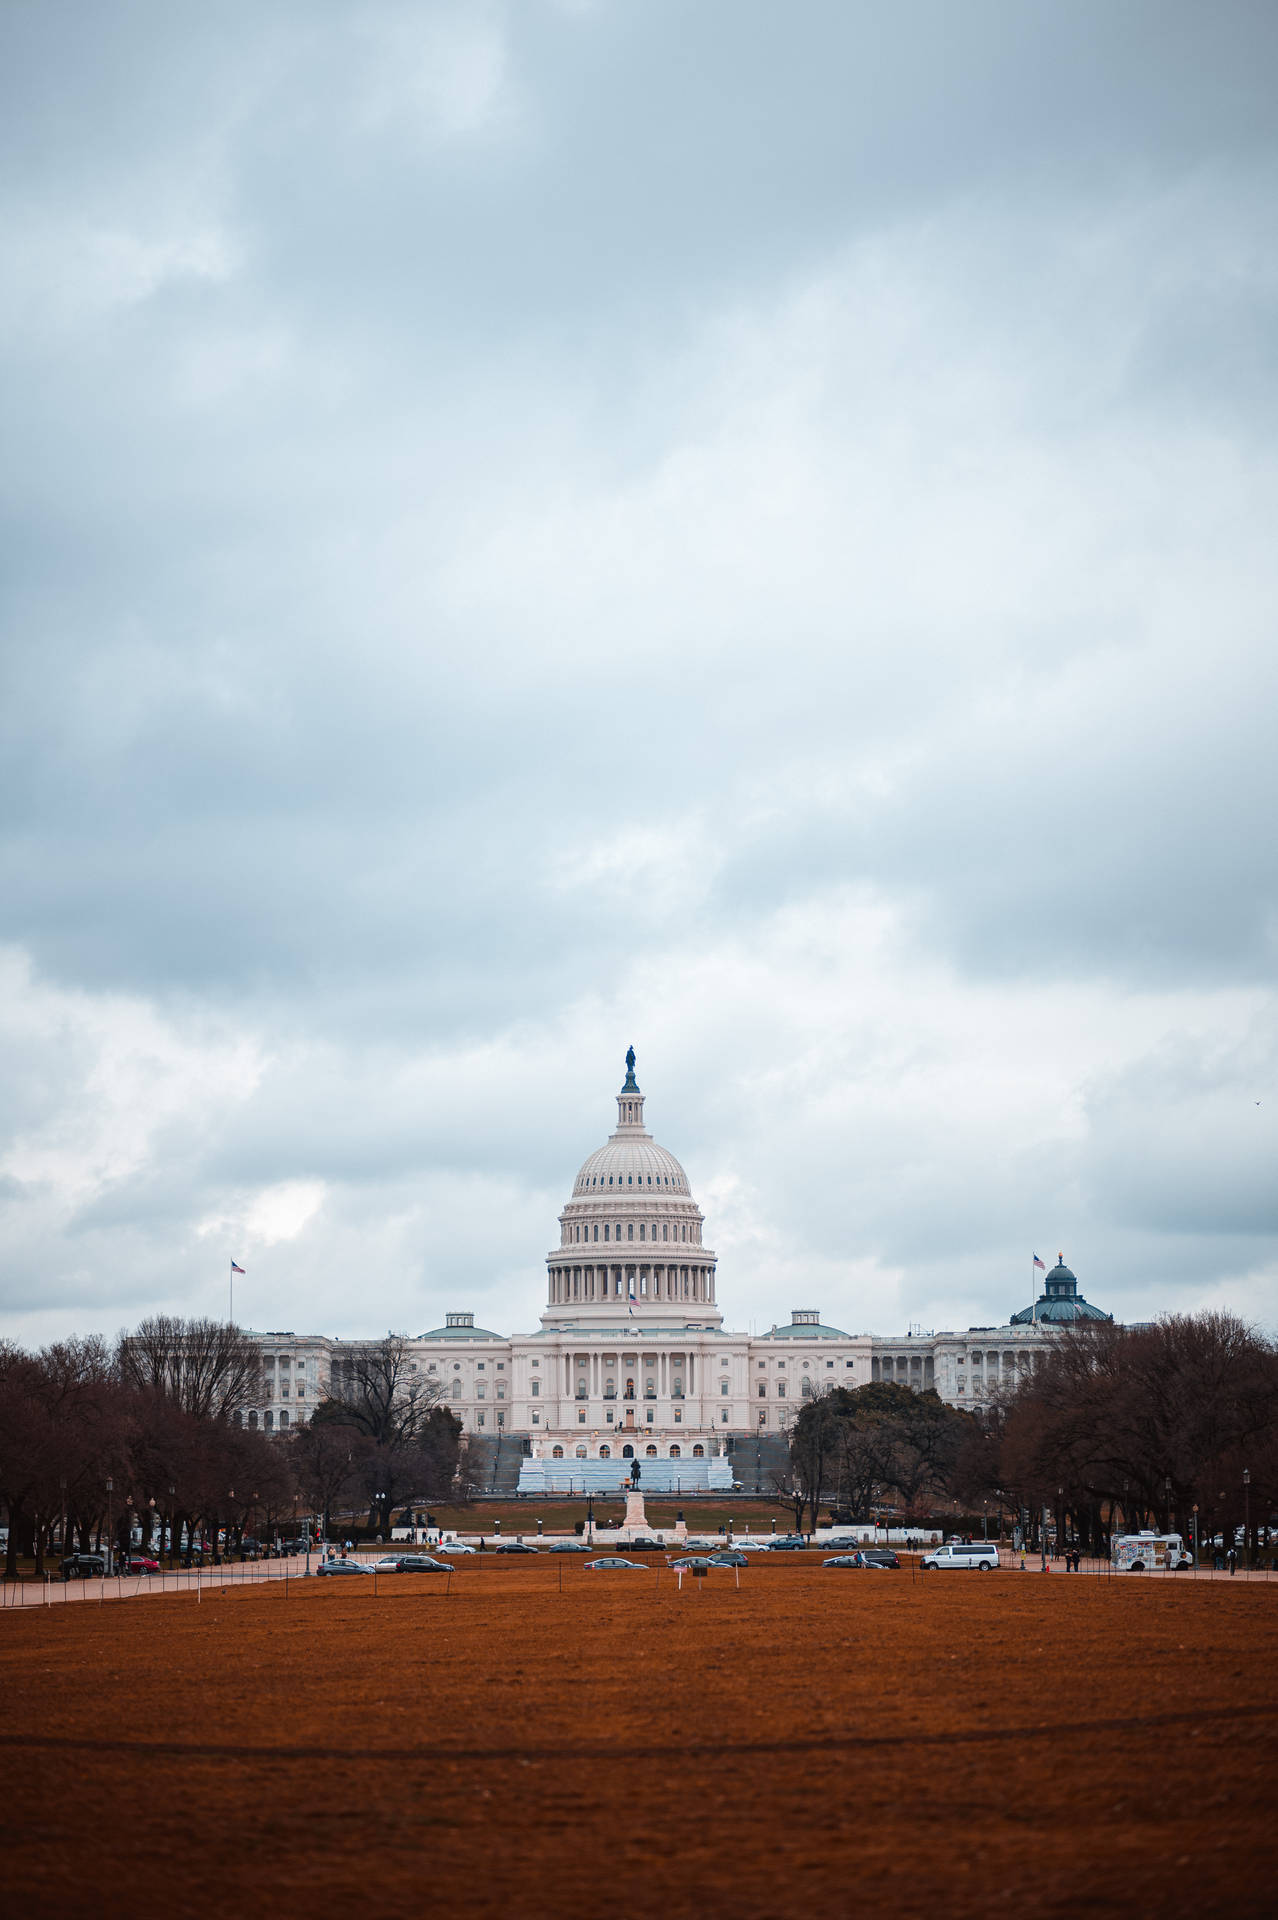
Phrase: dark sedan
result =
(419, 1563)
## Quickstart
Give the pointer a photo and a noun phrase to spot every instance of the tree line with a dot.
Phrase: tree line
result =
(1172, 1425)
(99, 1439)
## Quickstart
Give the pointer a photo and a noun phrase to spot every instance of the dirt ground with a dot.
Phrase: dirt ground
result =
(809, 1742)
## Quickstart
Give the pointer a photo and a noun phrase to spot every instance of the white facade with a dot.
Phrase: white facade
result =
(631, 1358)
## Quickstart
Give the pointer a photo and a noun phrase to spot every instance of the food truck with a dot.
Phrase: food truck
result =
(1149, 1553)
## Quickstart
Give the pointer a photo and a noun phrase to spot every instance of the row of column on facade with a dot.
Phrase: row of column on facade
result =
(617, 1283)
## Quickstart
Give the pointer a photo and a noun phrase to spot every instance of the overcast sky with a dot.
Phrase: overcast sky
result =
(743, 529)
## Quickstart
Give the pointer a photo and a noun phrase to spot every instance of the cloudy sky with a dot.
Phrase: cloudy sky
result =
(746, 530)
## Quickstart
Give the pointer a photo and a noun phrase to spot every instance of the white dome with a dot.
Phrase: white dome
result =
(626, 1166)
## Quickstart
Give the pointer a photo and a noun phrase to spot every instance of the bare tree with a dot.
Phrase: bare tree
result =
(207, 1367)
(375, 1387)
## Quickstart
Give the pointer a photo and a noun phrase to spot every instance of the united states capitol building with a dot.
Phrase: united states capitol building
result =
(632, 1359)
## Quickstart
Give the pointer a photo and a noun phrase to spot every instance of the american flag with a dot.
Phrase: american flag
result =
(235, 1269)
(1038, 1263)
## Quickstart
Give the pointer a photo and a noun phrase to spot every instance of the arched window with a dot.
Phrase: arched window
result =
(605, 1452)
(268, 1421)
(698, 1452)
(650, 1453)
(456, 1390)
(253, 1419)
(284, 1417)
(674, 1453)
(556, 1453)
(580, 1450)
(627, 1452)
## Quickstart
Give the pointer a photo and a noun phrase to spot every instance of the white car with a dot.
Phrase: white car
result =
(454, 1546)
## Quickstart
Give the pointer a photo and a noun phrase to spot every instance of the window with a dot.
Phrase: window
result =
(501, 1389)
(723, 1388)
(763, 1419)
(479, 1365)
(268, 1420)
(501, 1366)
(536, 1363)
(253, 1419)
(627, 1452)
(609, 1416)
(605, 1451)
(581, 1417)
(650, 1453)
(284, 1418)
(581, 1389)
(651, 1415)
(536, 1419)
(630, 1230)
(479, 1420)
(481, 1389)
(605, 1230)
(829, 1363)
(723, 1417)
(536, 1385)
(556, 1453)
(781, 1389)
(678, 1414)
(580, 1450)
(301, 1390)
(455, 1390)
(284, 1390)
(762, 1365)
(675, 1453)
(698, 1452)
(763, 1389)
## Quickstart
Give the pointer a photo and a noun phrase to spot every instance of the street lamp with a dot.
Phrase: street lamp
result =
(1247, 1514)
(110, 1489)
(1167, 1500)
(1060, 1524)
(172, 1522)
(1198, 1545)
(62, 1483)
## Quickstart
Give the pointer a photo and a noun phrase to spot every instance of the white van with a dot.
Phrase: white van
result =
(981, 1556)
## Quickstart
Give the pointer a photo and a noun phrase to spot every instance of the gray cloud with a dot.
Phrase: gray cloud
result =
(537, 527)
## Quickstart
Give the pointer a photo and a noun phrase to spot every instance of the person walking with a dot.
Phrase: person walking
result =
(1233, 1561)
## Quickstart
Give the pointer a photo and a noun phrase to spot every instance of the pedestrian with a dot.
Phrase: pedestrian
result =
(1233, 1561)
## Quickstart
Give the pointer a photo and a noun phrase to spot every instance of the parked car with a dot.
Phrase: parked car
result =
(788, 1543)
(343, 1566)
(83, 1566)
(515, 1546)
(877, 1557)
(613, 1564)
(455, 1546)
(842, 1560)
(693, 1560)
(142, 1563)
(567, 1546)
(729, 1557)
(421, 1563)
(389, 1563)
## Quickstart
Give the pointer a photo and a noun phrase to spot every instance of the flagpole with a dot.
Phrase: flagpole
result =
(230, 1319)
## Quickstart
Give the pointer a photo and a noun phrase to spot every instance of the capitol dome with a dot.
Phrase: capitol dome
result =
(632, 1207)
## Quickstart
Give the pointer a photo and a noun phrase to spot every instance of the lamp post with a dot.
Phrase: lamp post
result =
(1060, 1522)
(110, 1489)
(1198, 1549)
(1167, 1506)
(1247, 1515)
(172, 1522)
(62, 1486)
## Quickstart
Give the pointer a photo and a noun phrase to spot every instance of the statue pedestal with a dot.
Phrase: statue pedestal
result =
(636, 1520)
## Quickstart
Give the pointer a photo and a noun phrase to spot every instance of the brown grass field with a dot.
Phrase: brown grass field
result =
(807, 1743)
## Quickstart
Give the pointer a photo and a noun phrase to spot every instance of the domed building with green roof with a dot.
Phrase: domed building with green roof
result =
(1060, 1304)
